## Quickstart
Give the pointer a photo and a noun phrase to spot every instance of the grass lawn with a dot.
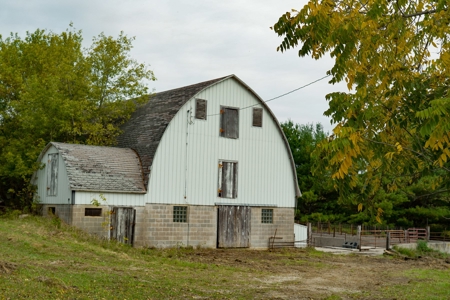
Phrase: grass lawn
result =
(40, 258)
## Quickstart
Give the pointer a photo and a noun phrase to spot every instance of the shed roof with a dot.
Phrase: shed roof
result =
(101, 169)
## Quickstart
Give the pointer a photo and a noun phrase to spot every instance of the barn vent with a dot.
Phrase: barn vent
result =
(257, 117)
(200, 109)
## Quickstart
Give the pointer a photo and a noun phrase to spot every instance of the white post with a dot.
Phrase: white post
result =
(358, 236)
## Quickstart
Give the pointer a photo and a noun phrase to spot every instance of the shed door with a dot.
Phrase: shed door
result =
(122, 224)
(233, 226)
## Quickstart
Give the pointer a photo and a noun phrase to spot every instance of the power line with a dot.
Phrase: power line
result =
(282, 95)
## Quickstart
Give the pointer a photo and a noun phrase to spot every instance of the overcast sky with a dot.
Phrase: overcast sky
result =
(186, 42)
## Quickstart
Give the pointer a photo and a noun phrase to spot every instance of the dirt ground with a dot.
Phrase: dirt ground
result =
(316, 275)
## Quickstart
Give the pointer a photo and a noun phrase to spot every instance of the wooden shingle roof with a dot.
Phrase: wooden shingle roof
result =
(144, 130)
(101, 169)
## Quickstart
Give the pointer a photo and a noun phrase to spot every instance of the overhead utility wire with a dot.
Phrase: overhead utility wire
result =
(277, 97)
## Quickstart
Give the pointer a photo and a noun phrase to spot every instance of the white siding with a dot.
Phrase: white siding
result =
(119, 199)
(189, 174)
(301, 235)
(63, 195)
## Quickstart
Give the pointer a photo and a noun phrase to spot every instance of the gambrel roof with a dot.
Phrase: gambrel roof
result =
(101, 169)
(144, 131)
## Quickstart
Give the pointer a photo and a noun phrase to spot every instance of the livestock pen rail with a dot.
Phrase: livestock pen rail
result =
(363, 237)
(440, 236)
(353, 236)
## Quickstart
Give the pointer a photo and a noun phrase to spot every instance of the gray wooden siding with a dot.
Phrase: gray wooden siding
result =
(52, 174)
(190, 176)
(234, 226)
(122, 221)
(60, 186)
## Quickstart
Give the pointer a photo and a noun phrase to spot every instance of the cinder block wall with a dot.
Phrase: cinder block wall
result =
(283, 223)
(62, 211)
(74, 215)
(155, 227)
(93, 225)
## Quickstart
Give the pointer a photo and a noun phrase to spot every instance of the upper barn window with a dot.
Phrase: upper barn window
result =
(257, 117)
(200, 109)
(52, 174)
(229, 122)
(228, 175)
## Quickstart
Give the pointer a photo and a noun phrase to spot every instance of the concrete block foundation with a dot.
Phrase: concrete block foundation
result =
(155, 226)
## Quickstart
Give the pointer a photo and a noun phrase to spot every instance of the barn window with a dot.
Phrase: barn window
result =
(267, 216)
(257, 117)
(180, 214)
(52, 210)
(52, 174)
(228, 174)
(200, 109)
(229, 122)
(93, 212)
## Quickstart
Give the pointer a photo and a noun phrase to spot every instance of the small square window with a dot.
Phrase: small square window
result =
(52, 210)
(93, 212)
(200, 109)
(257, 117)
(267, 216)
(180, 214)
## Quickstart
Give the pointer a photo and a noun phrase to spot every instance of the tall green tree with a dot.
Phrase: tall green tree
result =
(413, 204)
(392, 127)
(51, 89)
(318, 200)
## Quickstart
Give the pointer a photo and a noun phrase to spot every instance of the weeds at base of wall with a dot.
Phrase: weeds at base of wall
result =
(106, 215)
(422, 250)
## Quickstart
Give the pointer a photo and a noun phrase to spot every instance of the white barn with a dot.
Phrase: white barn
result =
(202, 165)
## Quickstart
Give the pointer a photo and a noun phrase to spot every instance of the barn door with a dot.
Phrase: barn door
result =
(122, 224)
(233, 227)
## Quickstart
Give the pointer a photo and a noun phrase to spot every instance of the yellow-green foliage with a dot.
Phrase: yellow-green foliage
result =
(394, 56)
(51, 89)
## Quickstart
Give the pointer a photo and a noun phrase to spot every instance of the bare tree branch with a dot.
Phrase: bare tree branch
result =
(420, 13)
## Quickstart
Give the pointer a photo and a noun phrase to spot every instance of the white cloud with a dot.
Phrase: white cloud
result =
(188, 42)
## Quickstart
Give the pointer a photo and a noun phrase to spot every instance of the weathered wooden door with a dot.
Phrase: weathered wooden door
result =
(122, 224)
(233, 229)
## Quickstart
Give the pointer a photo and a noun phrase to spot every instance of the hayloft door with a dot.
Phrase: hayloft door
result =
(233, 230)
(122, 224)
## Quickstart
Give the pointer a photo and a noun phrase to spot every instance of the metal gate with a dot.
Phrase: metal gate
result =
(233, 226)
(122, 224)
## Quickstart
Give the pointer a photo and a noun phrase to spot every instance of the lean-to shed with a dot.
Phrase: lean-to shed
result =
(202, 165)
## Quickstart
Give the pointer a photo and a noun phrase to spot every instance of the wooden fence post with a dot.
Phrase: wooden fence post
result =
(308, 235)
(388, 241)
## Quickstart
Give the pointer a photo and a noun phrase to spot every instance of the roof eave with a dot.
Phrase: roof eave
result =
(107, 191)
